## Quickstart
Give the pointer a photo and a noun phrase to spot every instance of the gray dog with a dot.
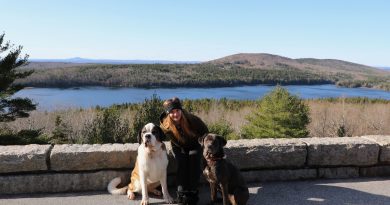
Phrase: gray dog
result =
(221, 174)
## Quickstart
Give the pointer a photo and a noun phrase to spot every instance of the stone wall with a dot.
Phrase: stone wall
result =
(70, 168)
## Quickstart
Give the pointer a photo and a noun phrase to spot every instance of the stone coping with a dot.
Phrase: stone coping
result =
(92, 157)
(384, 143)
(18, 158)
(346, 151)
(256, 154)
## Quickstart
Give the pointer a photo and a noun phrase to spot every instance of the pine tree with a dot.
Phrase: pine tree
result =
(149, 111)
(61, 132)
(280, 115)
(12, 108)
(107, 127)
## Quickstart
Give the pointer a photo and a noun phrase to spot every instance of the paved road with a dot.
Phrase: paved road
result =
(363, 191)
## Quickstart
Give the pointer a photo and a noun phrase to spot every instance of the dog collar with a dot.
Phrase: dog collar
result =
(215, 159)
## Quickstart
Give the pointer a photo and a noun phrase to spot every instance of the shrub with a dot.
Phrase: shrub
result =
(22, 137)
(107, 127)
(149, 111)
(223, 128)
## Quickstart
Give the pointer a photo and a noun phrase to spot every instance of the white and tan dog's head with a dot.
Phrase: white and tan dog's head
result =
(150, 135)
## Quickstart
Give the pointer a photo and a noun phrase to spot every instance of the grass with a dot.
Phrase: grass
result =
(356, 116)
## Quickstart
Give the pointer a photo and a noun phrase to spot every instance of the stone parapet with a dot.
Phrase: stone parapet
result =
(384, 143)
(73, 168)
(266, 153)
(29, 158)
(345, 151)
(77, 157)
(59, 182)
(376, 171)
(338, 172)
(279, 175)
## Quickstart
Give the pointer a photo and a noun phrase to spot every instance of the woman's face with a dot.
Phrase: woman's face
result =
(175, 115)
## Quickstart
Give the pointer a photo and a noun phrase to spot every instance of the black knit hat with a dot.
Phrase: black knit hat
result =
(171, 104)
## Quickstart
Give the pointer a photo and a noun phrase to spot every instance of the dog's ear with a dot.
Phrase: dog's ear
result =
(161, 134)
(140, 136)
(221, 140)
(201, 139)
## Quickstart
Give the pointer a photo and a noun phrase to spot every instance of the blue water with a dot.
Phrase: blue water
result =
(55, 98)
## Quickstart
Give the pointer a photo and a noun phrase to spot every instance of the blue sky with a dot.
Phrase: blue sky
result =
(201, 30)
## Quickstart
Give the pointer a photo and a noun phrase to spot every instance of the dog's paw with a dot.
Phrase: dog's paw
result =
(145, 202)
(168, 199)
(131, 195)
(157, 192)
(218, 200)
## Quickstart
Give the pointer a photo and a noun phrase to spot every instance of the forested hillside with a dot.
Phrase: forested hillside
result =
(235, 70)
(173, 75)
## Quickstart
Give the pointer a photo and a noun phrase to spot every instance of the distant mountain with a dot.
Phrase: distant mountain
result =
(383, 67)
(109, 61)
(322, 66)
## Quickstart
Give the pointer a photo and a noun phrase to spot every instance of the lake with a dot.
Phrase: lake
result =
(56, 98)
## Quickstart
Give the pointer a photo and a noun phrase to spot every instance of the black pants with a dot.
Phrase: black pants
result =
(188, 167)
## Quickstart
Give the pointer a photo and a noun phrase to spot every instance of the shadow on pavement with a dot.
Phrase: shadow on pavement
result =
(44, 195)
(369, 191)
(324, 192)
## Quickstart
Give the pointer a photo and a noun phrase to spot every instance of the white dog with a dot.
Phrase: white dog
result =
(150, 169)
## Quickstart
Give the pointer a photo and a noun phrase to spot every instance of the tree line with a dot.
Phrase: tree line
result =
(170, 75)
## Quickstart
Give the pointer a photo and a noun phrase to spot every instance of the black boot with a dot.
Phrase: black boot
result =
(181, 196)
(193, 197)
(187, 197)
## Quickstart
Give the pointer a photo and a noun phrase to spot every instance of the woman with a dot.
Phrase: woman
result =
(184, 129)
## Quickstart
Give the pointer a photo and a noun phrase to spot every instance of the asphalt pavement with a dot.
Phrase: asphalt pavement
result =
(360, 191)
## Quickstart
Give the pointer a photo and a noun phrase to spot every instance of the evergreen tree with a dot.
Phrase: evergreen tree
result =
(149, 111)
(12, 108)
(107, 127)
(61, 132)
(280, 115)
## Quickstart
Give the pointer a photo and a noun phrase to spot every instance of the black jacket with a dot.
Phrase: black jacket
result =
(195, 123)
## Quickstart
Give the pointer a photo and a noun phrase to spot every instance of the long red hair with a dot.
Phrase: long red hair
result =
(168, 123)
